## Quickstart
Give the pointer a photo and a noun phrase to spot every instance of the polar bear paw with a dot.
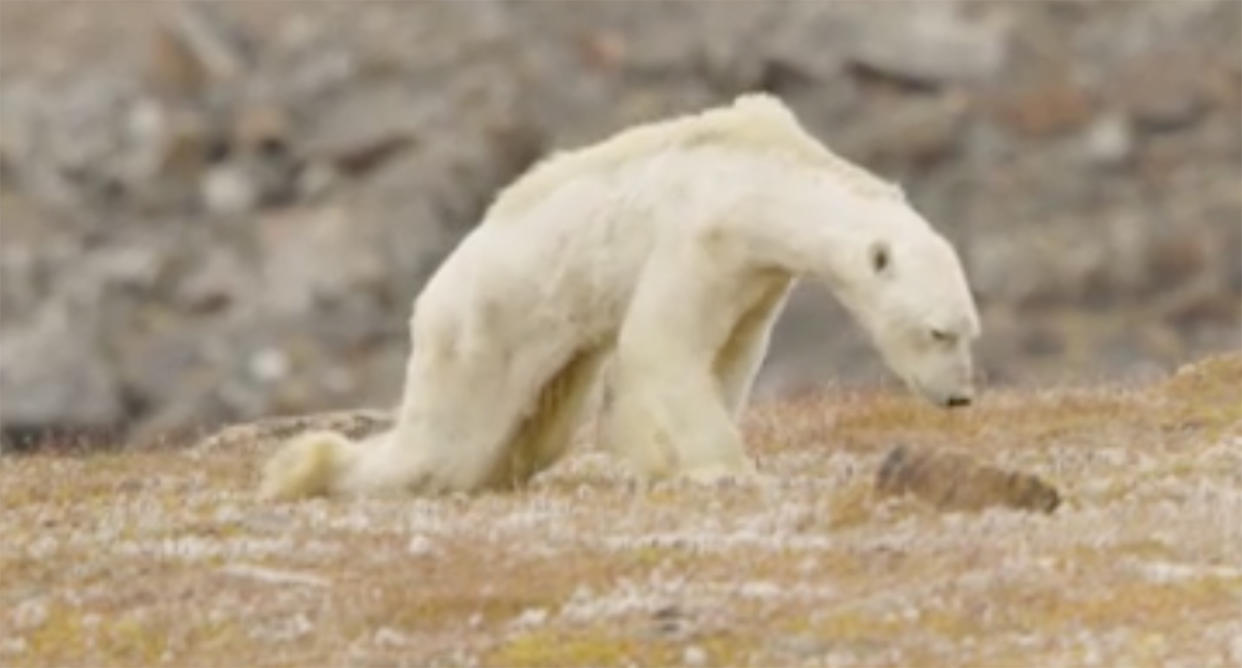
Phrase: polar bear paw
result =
(305, 466)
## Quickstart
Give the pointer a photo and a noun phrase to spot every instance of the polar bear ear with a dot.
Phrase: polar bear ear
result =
(881, 258)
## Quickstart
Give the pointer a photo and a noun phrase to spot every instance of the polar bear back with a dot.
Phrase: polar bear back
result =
(755, 123)
(571, 260)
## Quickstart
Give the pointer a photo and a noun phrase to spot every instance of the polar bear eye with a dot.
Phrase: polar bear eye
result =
(879, 256)
(941, 336)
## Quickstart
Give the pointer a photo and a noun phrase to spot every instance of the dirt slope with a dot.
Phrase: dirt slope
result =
(163, 557)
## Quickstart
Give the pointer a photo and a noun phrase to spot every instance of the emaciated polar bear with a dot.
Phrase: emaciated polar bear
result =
(667, 250)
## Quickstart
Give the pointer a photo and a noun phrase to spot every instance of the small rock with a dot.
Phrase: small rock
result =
(261, 151)
(128, 266)
(954, 481)
(1191, 308)
(52, 373)
(218, 280)
(1048, 107)
(30, 614)
(1175, 259)
(172, 147)
(390, 637)
(210, 39)
(670, 621)
(13, 645)
(603, 49)
(1168, 112)
(269, 365)
(225, 190)
(1109, 141)
(312, 256)
(290, 628)
(340, 380)
(265, 128)
(325, 68)
(359, 131)
(694, 656)
(1165, 92)
(316, 179)
(419, 545)
(920, 133)
(803, 646)
(930, 45)
(172, 68)
(1043, 341)
(531, 617)
(667, 612)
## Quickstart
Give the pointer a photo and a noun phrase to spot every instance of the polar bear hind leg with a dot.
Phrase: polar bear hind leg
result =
(459, 419)
(545, 436)
(454, 432)
(305, 466)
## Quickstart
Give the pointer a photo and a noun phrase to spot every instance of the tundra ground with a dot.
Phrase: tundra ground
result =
(164, 557)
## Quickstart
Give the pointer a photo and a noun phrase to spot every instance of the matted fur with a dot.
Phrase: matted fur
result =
(755, 122)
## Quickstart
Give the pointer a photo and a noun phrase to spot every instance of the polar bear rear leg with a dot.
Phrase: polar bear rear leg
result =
(738, 361)
(545, 436)
(459, 417)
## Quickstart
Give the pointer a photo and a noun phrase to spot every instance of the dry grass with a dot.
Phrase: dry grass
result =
(163, 557)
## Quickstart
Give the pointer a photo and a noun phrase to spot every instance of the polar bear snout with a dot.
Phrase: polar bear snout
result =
(957, 394)
(943, 381)
(958, 397)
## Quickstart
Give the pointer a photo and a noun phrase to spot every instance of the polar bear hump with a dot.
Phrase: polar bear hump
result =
(755, 123)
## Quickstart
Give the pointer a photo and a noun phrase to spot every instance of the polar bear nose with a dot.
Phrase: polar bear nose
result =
(958, 401)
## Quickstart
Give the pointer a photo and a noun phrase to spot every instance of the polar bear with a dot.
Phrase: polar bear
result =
(666, 251)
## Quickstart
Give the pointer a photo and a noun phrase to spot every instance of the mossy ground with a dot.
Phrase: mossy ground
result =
(164, 557)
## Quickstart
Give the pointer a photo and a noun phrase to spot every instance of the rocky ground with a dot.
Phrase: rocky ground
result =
(218, 211)
(164, 557)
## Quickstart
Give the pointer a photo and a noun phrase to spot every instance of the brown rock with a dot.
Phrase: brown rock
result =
(921, 133)
(360, 131)
(53, 373)
(315, 255)
(1174, 260)
(930, 45)
(1190, 308)
(264, 128)
(603, 50)
(172, 68)
(1049, 107)
(955, 481)
(1165, 91)
(185, 143)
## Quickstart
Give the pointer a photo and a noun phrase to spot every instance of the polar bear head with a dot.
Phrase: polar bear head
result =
(906, 286)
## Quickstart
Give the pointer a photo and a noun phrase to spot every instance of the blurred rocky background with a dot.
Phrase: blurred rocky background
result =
(216, 211)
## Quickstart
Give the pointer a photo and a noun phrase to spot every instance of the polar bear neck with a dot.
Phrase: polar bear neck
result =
(807, 222)
(756, 124)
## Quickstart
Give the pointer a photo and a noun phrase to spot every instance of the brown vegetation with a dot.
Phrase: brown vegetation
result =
(164, 557)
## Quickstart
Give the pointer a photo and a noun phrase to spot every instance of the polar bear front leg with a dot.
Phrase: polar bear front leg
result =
(667, 415)
(673, 425)
(738, 361)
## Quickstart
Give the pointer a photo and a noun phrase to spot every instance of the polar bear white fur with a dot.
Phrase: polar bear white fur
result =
(667, 251)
